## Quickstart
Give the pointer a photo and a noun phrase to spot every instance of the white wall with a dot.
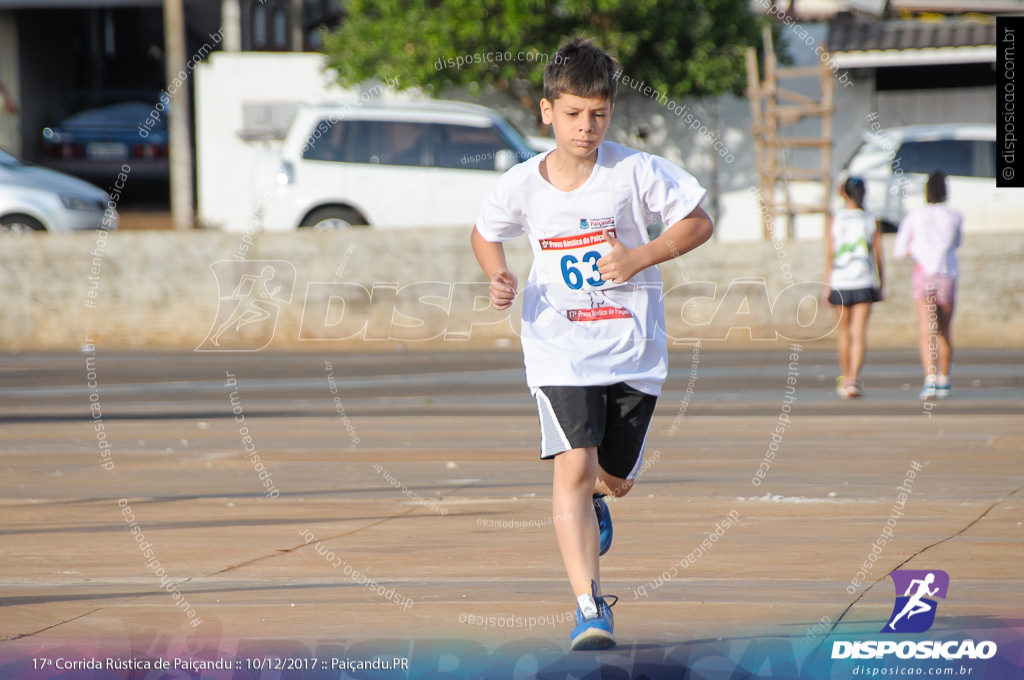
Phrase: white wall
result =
(164, 289)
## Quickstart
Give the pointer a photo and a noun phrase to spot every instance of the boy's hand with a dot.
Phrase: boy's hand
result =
(503, 289)
(621, 264)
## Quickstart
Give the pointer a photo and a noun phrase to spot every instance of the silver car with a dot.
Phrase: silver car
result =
(33, 198)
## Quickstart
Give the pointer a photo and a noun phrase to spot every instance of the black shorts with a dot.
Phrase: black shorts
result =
(614, 418)
(848, 298)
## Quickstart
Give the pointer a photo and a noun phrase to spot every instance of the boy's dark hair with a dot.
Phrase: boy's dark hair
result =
(855, 189)
(581, 68)
(935, 189)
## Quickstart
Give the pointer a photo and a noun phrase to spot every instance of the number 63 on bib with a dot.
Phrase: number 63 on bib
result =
(572, 260)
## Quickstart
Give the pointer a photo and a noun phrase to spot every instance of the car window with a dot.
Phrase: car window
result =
(467, 148)
(330, 143)
(405, 143)
(985, 159)
(391, 143)
(8, 161)
(369, 141)
(952, 156)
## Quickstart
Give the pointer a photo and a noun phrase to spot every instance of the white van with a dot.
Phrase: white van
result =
(396, 165)
(895, 164)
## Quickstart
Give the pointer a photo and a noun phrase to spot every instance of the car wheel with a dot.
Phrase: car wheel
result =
(324, 219)
(20, 224)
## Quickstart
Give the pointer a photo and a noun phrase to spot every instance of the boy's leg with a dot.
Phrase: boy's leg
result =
(576, 478)
(616, 419)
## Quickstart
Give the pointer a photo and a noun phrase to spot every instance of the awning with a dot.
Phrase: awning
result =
(873, 44)
(76, 4)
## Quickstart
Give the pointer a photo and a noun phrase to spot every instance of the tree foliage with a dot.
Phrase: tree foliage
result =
(681, 47)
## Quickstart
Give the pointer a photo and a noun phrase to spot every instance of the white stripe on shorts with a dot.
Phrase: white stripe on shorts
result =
(552, 438)
(635, 472)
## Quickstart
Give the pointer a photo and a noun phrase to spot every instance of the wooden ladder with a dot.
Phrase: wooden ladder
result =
(773, 108)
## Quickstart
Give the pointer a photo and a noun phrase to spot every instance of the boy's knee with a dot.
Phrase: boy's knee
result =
(577, 466)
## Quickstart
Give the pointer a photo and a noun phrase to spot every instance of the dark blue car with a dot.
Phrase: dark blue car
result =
(100, 132)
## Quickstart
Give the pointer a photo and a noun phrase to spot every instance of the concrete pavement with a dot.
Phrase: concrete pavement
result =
(414, 507)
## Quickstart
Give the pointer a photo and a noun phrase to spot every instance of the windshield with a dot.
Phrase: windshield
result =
(8, 161)
(80, 101)
(522, 148)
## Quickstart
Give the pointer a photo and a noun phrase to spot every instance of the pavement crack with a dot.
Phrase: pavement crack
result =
(285, 551)
(128, 598)
(234, 567)
(55, 625)
(919, 552)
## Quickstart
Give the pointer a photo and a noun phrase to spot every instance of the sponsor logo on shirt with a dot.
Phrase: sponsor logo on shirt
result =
(597, 223)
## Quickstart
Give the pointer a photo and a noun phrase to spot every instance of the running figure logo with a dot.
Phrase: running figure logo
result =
(914, 611)
(251, 295)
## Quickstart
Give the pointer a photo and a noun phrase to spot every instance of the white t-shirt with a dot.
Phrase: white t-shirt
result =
(930, 235)
(578, 329)
(853, 259)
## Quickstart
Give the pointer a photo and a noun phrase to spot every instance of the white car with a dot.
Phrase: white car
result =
(895, 164)
(408, 165)
(38, 199)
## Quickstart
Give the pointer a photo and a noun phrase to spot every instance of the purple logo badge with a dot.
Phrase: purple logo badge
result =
(914, 611)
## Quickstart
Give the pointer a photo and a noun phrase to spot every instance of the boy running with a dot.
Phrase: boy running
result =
(593, 331)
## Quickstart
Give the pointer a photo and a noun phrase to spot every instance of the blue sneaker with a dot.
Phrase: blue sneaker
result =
(595, 632)
(604, 523)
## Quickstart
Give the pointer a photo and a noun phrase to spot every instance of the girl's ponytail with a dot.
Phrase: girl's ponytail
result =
(855, 189)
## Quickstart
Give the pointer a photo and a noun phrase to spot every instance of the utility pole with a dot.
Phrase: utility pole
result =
(231, 22)
(295, 21)
(179, 139)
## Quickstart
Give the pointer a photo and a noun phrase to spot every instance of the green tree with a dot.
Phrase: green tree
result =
(682, 47)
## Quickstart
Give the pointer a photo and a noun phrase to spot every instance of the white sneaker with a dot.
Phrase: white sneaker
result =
(928, 391)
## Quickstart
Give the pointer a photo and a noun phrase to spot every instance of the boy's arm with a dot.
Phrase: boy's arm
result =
(491, 257)
(624, 263)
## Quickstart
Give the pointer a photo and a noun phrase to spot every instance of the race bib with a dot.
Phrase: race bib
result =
(572, 260)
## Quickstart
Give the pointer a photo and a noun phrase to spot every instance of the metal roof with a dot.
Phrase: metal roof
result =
(806, 10)
(859, 44)
(849, 36)
(76, 4)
